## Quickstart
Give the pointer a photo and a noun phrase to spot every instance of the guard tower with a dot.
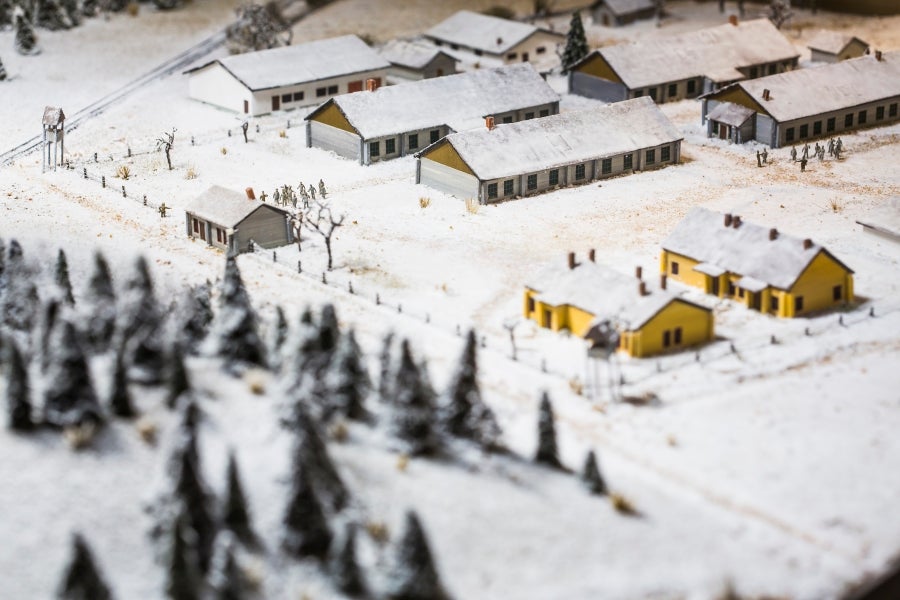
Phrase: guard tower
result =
(54, 135)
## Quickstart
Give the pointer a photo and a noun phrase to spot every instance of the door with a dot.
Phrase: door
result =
(723, 131)
(203, 231)
(548, 317)
(355, 86)
(755, 301)
(524, 57)
(246, 107)
(714, 289)
(276, 102)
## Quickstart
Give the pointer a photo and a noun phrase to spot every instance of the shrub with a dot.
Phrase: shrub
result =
(123, 172)
(224, 150)
(424, 202)
(133, 8)
(472, 206)
(622, 504)
(191, 173)
(282, 134)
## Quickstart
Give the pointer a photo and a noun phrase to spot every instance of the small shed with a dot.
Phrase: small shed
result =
(415, 60)
(54, 124)
(615, 13)
(229, 220)
(834, 46)
(733, 122)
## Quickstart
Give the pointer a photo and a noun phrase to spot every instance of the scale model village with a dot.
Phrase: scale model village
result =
(488, 109)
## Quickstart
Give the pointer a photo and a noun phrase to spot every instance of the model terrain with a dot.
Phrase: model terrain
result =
(279, 357)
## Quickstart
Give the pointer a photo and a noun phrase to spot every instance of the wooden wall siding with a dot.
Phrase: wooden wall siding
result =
(871, 121)
(326, 137)
(737, 95)
(591, 86)
(446, 155)
(598, 67)
(446, 179)
(816, 285)
(696, 326)
(265, 226)
(333, 116)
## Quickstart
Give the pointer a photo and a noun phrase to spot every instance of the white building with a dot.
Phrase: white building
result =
(412, 60)
(834, 46)
(289, 77)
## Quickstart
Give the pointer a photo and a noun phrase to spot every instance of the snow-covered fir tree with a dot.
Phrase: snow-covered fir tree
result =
(20, 301)
(52, 15)
(413, 418)
(6, 14)
(73, 11)
(90, 8)
(69, 396)
(120, 400)
(385, 368)
(311, 456)
(256, 28)
(82, 579)
(576, 43)
(590, 475)
(18, 390)
(2, 78)
(47, 321)
(235, 336)
(194, 496)
(344, 568)
(62, 278)
(306, 530)
(183, 578)
(414, 576)
(348, 381)
(177, 381)
(100, 306)
(278, 337)
(546, 451)
(235, 514)
(167, 4)
(196, 316)
(140, 327)
(226, 577)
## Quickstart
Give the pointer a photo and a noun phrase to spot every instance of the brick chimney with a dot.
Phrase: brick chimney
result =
(571, 260)
(807, 244)
(878, 56)
(250, 194)
(592, 255)
(371, 85)
(662, 281)
(733, 20)
(767, 95)
(489, 122)
(773, 234)
(736, 221)
(727, 219)
(642, 288)
(638, 271)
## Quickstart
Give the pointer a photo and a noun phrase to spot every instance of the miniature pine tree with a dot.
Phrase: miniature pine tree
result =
(311, 456)
(2, 267)
(228, 582)
(49, 317)
(198, 315)
(6, 9)
(52, 15)
(62, 278)
(139, 327)
(591, 477)
(193, 494)
(413, 415)
(329, 333)
(82, 579)
(254, 29)
(546, 451)
(236, 336)
(576, 43)
(20, 297)
(69, 397)
(464, 413)
(120, 402)
(101, 300)
(349, 381)
(235, 515)
(306, 529)
(279, 336)
(177, 381)
(71, 9)
(2, 75)
(183, 581)
(414, 576)
(90, 8)
(167, 4)
(18, 391)
(25, 41)
(345, 571)
(385, 368)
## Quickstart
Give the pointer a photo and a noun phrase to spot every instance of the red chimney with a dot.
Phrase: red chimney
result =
(767, 95)
(642, 288)
(489, 122)
(638, 271)
(250, 194)
(807, 244)
(592, 255)
(727, 219)
(733, 20)
(571, 260)
(773, 234)
(736, 221)
(371, 85)
(878, 55)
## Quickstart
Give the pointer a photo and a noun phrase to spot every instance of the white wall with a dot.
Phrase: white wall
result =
(215, 85)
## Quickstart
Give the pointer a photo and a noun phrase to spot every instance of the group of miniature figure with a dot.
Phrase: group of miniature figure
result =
(286, 195)
(834, 147)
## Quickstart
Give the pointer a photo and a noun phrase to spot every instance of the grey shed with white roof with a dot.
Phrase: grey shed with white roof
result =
(415, 60)
(834, 46)
(260, 82)
(532, 157)
(397, 120)
(229, 220)
(615, 13)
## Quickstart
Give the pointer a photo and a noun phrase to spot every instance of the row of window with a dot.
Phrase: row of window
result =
(200, 229)
(390, 144)
(671, 90)
(329, 90)
(509, 56)
(830, 123)
(672, 337)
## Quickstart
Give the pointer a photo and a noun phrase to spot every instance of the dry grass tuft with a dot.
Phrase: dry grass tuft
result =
(224, 150)
(378, 531)
(282, 134)
(424, 202)
(80, 436)
(123, 172)
(147, 430)
(576, 386)
(339, 432)
(256, 381)
(133, 9)
(191, 172)
(622, 504)
(402, 462)
(472, 206)
(835, 205)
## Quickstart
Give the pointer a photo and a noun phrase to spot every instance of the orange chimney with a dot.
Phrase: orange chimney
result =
(571, 260)
(878, 55)
(807, 244)
(489, 122)
(773, 234)
(736, 221)
(733, 20)
(371, 85)
(592, 255)
(250, 194)
(767, 95)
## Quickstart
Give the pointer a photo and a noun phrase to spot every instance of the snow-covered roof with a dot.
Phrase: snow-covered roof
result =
(53, 116)
(746, 250)
(291, 65)
(410, 54)
(459, 101)
(224, 207)
(730, 114)
(481, 32)
(832, 42)
(714, 52)
(601, 291)
(564, 139)
(832, 87)
(625, 7)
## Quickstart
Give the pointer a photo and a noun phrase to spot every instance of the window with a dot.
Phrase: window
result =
(511, 56)
(438, 43)
(652, 93)
(579, 171)
(691, 86)
(804, 131)
(638, 93)
(220, 235)
(554, 177)
(390, 146)
(196, 225)
(798, 304)
(836, 293)
(848, 120)
(434, 135)
(606, 166)
(773, 68)
(529, 116)
(789, 134)
(540, 50)
(817, 128)
(628, 161)
(321, 92)
(286, 97)
(879, 113)
(298, 96)
(862, 117)
(829, 125)
(413, 141)
(651, 157)
(673, 90)
(545, 112)
(740, 292)
(492, 193)
(530, 304)
(892, 111)
(665, 154)
(677, 335)
(454, 46)
(773, 304)
(674, 268)
(667, 338)
(332, 89)
(731, 288)
(524, 57)
(508, 187)
(507, 119)
(532, 182)
(374, 149)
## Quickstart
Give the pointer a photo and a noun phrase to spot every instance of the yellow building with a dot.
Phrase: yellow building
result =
(758, 266)
(576, 296)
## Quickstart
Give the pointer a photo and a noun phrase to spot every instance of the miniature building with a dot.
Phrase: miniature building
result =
(415, 60)
(579, 295)
(401, 119)
(257, 83)
(808, 103)
(522, 159)
(884, 222)
(833, 46)
(229, 220)
(615, 13)
(54, 122)
(477, 38)
(758, 266)
(669, 68)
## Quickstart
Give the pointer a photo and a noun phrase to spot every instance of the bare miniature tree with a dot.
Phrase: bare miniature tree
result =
(166, 141)
(510, 326)
(779, 13)
(319, 219)
(257, 27)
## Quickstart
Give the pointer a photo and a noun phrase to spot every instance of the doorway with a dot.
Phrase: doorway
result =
(276, 102)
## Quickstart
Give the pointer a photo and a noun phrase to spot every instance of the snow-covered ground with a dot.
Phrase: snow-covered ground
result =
(774, 467)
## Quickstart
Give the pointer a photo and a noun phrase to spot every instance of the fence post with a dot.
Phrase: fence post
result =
(427, 318)
(145, 199)
(840, 319)
(324, 279)
(299, 267)
(192, 140)
(124, 195)
(103, 180)
(871, 311)
(95, 157)
(289, 124)
(274, 256)
(377, 299)
(129, 151)
(229, 133)
(84, 169)
(350, 286)
(773, 340)
(399, 308)
(543, 365)
(457, 330)
(257, 128)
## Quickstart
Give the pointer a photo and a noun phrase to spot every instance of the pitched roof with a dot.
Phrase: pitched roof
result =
(624, 7)
(410, 54)
(714, 52)
(601, 291)
(459, 101)
(831, 87)
(745, 250)
(730, 114)
(292, 65)
(564, 139)
(225, 207)
(481, 32)
(53, 116)
(832, 42)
